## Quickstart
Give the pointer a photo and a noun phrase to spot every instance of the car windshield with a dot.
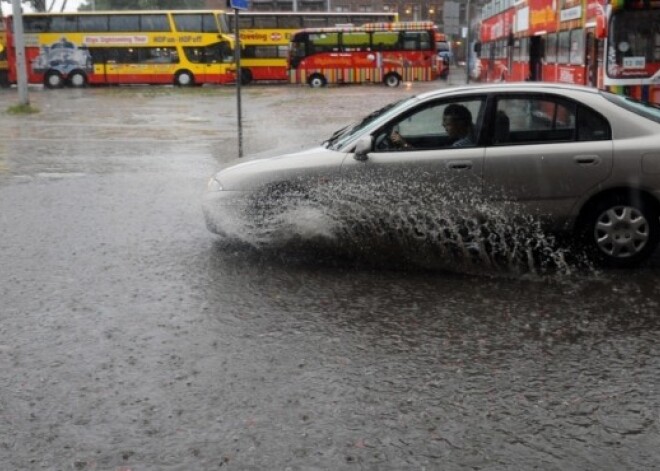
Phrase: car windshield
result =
(647, 110)
(343, 135)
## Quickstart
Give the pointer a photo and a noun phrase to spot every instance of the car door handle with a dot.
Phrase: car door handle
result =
(460, 164)
(586, 159)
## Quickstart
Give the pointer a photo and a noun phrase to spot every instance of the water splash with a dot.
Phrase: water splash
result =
(406, 226)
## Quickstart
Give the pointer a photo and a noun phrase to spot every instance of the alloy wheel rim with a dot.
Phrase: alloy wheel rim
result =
(621, 231)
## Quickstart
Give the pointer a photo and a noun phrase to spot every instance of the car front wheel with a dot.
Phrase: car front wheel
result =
(622, 231)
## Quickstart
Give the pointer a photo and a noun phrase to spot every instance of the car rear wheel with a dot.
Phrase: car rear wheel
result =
(622, 230)
(53, 79)
(392, 80)
(317, 81)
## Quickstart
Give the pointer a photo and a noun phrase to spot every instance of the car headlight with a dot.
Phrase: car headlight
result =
(213, 185)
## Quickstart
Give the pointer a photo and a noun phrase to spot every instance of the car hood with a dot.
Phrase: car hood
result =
(307, 165)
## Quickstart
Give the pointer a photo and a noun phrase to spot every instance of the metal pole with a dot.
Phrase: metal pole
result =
(467, 44)
(237, 56)
(19, 46)
(329, 6)
(295, 5)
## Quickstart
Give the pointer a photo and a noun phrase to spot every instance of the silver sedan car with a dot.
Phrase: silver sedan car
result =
(575, 160)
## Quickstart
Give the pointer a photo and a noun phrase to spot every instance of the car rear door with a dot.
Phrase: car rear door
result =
(546, 153)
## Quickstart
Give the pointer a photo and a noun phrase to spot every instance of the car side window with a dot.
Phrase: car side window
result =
(533, 120)
(591, 126)
(438, 125)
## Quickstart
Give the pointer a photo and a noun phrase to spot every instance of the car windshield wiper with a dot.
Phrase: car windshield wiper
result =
(332, 139)
(359, 125)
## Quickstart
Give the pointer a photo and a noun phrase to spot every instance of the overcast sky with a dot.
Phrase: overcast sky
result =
(71, 5)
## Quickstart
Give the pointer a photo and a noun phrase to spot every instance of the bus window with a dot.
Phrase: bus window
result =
(125, 23)
(577, 47)
(35, 24)
(194, 23)
(323, 42)
(155, 23)
(355, 42)
(551, 48)
(93, 23)
(64, 24)
(385, 40)
(563, 47)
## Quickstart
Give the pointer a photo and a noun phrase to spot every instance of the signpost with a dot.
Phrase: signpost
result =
(238, 5)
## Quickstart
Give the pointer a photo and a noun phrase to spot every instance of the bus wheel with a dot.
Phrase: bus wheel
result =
(77, 79)
(53, 79)
(184, 79)
(392, 80)
(317, 81)
(246, 76)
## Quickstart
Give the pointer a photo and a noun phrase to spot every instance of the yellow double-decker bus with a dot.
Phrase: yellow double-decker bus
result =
(265, 36)
(147, 47)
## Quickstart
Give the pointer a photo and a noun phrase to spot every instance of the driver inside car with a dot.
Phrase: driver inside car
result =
(457, 121)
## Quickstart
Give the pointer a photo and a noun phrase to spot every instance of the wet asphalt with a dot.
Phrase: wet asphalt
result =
(131, 338)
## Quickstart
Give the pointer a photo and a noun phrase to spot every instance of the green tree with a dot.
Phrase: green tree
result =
(42, 5)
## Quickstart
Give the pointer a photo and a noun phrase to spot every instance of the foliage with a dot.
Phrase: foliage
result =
(22, 109)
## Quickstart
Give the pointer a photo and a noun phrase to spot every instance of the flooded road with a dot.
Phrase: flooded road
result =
(131, 338)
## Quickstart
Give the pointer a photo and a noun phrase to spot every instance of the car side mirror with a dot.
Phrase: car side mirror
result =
(363, 147)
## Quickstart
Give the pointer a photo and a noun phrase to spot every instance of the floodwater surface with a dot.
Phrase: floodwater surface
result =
(131, 338)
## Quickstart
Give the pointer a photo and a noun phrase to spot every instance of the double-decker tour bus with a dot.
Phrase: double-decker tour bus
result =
(265, 36)
(147, 47)
(4, 66)
(386, 53)
(609, 44)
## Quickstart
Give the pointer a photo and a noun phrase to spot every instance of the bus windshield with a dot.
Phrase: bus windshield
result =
(634, 43)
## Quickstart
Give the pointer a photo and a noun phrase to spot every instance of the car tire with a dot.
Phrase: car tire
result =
(77, 79)
(621, 231)
(184, 78)
(392, 80)
(53, 79)
(317, 81)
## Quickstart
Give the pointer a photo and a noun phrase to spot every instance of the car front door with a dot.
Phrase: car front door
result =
(428, 175)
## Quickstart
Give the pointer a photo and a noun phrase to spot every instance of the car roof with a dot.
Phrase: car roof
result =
(530, 87)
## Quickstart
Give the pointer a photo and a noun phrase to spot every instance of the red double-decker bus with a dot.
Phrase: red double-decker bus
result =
(609, 44)
(386, 53)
